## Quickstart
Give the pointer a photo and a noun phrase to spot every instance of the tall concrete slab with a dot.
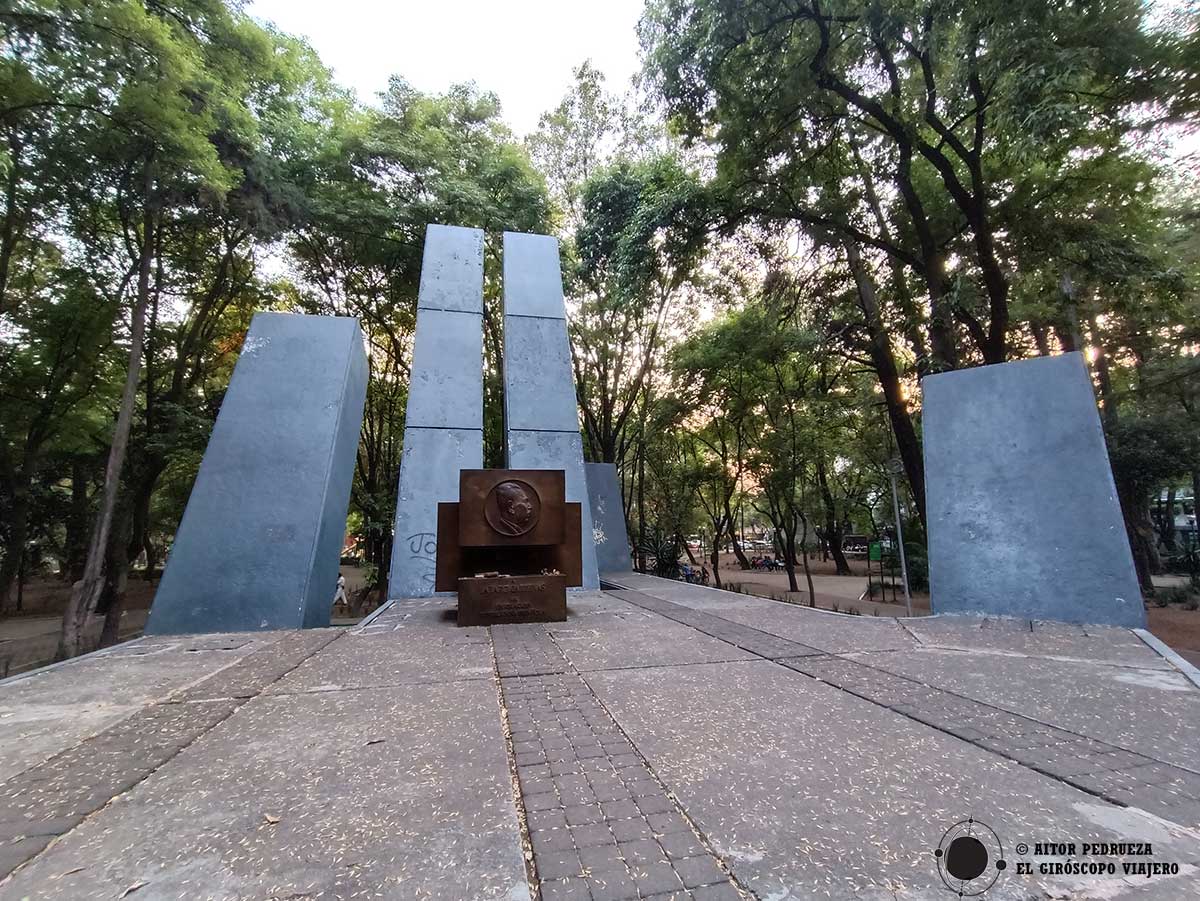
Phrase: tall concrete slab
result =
(608, 518)
(259, 542)
(1024, 519)
(443, 426)
(541, 419)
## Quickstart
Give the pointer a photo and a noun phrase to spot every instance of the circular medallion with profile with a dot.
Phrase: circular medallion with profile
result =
(512, 507)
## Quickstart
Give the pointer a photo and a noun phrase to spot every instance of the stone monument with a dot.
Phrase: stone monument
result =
(510, 546)
(443, 426)
(1023, 514)
(541, 419)
(608, 518)
(260, 539)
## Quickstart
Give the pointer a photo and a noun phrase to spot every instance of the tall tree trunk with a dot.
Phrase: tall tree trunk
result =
(1168, 523)
(16, 522)
(116, 579)
(742, 559)
(715, 559)
(1108, 407)
(22, 573)
(789, 555)
(1040, 338)
(85, 593)
(884, 363)
(943, 349)
(1140, 529)
(1195, 501)
(76, 524)
(641, 501)
(833, 528)
(143, 493)
(686, 549)
(812, 592)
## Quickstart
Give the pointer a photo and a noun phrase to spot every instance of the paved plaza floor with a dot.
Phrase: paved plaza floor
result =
(666, 741)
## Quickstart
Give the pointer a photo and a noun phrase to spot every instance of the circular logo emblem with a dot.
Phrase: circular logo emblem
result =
(969, 858)
(512, 508)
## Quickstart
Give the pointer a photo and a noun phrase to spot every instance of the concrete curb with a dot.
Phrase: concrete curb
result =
(374, 615)
(1190, 672)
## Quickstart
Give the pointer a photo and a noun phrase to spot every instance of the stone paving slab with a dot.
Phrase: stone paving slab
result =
(53, 797)
(637, 637)
(45, 712)
(418, 655)
(698, 597)
(1149, 711)
(1098, 767)
(825, 631)
(407, 613)
(809, 792)
(601, 825)
(836, 632)
(1094, 765)
(381, 793)
(756, 641)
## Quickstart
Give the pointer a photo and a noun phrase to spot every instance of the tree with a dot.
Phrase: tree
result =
(640, 241)
(53, 372)
(182, 84)
(949, 100)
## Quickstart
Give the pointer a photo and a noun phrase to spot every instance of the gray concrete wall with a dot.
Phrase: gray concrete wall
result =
(608, 517)
(259, 542)
(1023, 513)
(443, 426)
(541, 418)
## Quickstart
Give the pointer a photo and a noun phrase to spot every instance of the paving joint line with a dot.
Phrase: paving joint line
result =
(704, 840)
(1008, 712)
(531, 878)
(1141, 798)
(622, 669)
(601, 823)
(1041, 770)
(235, 704)
(671, 610)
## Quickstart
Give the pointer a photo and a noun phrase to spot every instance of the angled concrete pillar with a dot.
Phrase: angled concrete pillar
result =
(541, 418)
(443, 426)
(1023, 514)
(608, 516)
(259, 542)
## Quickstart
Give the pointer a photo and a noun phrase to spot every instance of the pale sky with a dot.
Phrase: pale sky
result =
(522, 50)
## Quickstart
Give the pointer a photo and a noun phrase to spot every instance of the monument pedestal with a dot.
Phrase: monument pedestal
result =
(490, 600)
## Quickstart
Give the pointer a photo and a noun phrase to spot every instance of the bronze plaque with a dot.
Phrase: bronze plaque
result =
(512, 599)
(568, 556)
(500, 507)
(449, 563)
(512, 507)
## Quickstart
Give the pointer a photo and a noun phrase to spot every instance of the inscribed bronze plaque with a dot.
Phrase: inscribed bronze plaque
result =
(511, 507)
(512, 599)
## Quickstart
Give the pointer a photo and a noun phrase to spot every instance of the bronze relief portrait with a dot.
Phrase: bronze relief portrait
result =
(512, 508)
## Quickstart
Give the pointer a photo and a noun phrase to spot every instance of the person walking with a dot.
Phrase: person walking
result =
(341, 591)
